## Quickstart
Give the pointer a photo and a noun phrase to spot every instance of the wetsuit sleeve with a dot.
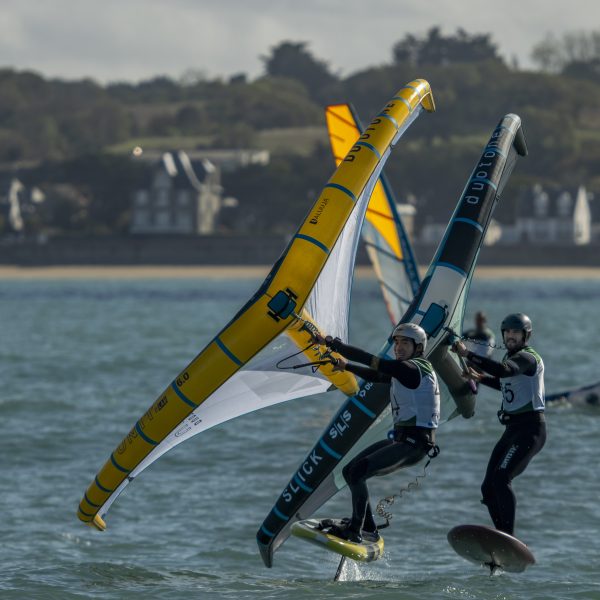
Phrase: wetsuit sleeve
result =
(368, 374)
(492, 382)
(521, 363)
(406, 372)
(352, 353)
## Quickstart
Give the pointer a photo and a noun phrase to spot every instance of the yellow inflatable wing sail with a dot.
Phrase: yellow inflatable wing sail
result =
(227, 378)
(384, 234)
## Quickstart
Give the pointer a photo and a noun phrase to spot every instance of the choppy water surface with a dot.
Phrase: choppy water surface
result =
(80, 362)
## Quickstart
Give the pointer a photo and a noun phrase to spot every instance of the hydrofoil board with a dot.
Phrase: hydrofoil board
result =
(316, 532)
(486, 546)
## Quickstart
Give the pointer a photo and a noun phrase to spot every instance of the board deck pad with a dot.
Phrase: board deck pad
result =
(310, 530)
(487, 546)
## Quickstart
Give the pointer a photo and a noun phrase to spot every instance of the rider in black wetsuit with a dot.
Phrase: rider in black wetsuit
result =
(415, 400)
(480, 338)
(520, 378)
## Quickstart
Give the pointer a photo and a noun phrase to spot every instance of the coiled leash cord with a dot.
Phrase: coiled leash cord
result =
(384, 505)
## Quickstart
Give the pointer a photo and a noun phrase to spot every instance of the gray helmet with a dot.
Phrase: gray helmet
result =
(413, 331)
(517, 321)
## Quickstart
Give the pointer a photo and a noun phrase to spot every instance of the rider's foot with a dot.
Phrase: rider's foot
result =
(370, 536)
(345, 532)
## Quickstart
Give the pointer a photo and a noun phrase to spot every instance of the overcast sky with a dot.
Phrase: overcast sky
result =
(111, 40)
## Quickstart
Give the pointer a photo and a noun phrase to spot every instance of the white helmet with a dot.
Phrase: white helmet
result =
(412, 331)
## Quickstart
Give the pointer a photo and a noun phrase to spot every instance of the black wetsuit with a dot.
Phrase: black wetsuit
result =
(410, 443)
(523, 438)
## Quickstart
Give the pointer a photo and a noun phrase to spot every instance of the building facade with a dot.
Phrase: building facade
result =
(182, 197)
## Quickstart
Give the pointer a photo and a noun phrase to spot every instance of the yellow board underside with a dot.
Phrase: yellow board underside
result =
(253, 329)
(359, 552)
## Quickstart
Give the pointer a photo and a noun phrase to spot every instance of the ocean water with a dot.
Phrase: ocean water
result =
(80, 361)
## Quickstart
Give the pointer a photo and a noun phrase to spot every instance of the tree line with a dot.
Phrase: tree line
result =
(58, 126)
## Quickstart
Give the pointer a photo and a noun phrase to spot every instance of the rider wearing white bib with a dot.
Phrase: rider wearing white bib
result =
(525, 391)
(419, 407)
(415, 403)
(520, 378)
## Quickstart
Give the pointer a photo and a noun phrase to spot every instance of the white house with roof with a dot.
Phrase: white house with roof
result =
(582, 218)
(17, 201)
(183, 197)
(563, 218)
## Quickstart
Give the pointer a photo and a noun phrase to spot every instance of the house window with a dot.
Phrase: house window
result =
(142, 218)
(162, 198)
(183, 222)
(565, 205)
(183, 198)
(163, 219)
(141, 198)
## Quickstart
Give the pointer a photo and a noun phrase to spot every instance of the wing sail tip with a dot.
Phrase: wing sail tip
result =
(266, 551)
(95, 521)
(98, 523)
(427, 99)
(428, 102)
(520, 143)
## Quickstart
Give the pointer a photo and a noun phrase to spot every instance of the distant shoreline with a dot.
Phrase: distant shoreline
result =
(260, 271)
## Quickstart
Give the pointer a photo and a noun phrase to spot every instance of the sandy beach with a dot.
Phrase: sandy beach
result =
(260, 271)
